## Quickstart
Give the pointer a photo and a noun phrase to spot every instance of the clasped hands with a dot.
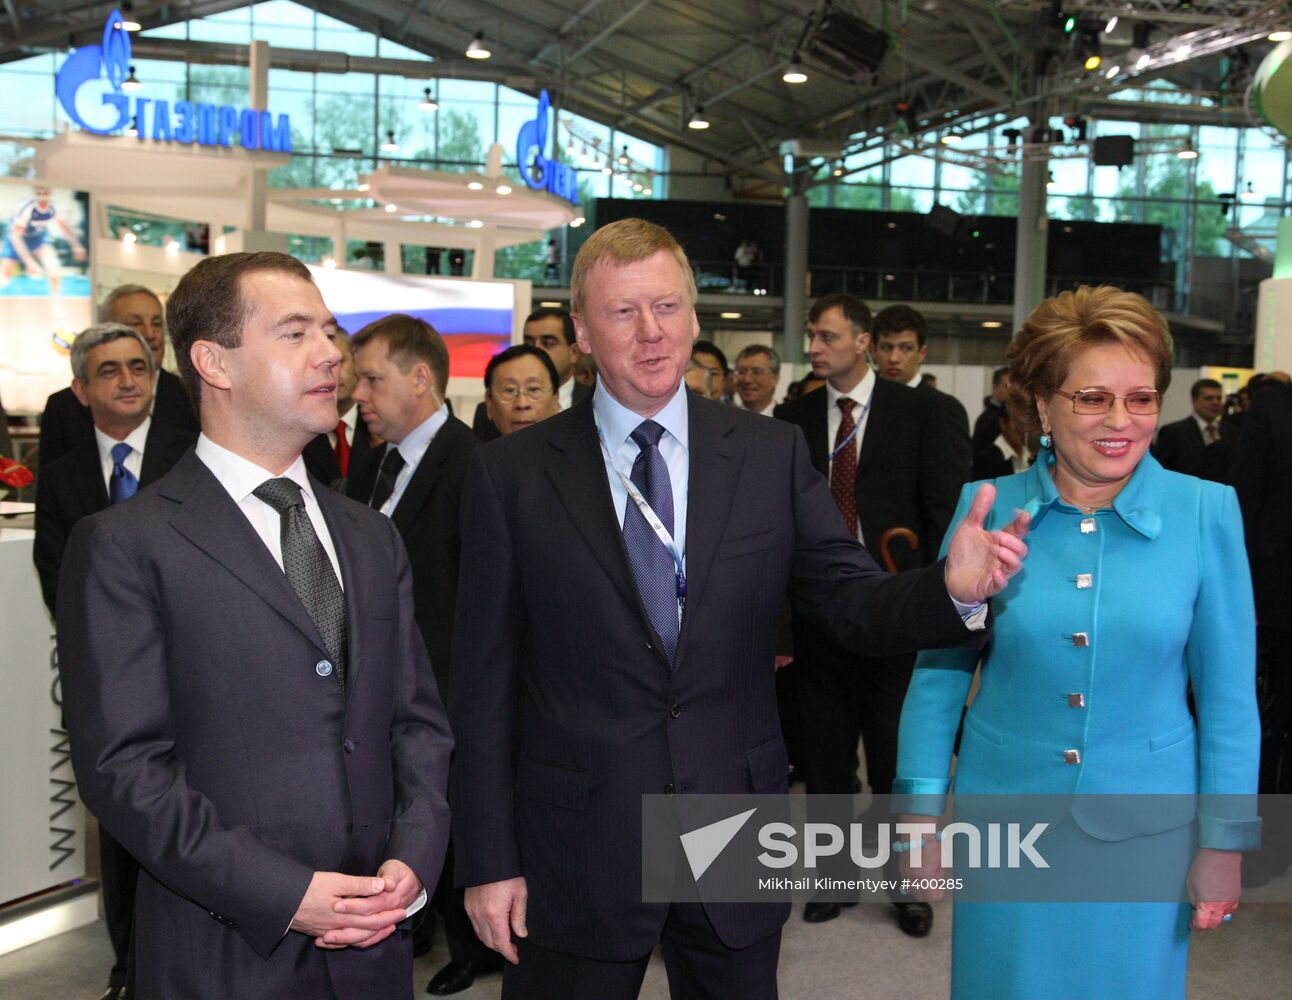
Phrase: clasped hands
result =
(356, 911)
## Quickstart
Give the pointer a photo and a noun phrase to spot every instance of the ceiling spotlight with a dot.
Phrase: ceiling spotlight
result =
(794, 71)
(391, 207)
(172, 245)
(128, 22)
(128, 238)
(477, 49)
(623, 157)
(992, 324)
(390, 145)
(698, 121)
(1143, 60)
(1093, 61)
(475, 186)
(131, 82)
(1111, 26)
(427, 103)
(1280, 36)
(503, 188)
(1113, 70)
(951, 138)
(475, 224)
(577, 222)
(729, 315)
(1188, 153)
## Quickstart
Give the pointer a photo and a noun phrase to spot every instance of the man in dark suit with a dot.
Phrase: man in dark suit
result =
(251, 709)
(416, 480)
(893, 461)
(551, 330)
(112, 369)
(596, 662)
(1262, 476)
(66, 422)
(987, 427)
(901, 344)
(1180, 446)
(329, 457)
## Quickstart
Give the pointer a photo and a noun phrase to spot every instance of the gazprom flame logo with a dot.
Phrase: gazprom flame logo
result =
(93, 62)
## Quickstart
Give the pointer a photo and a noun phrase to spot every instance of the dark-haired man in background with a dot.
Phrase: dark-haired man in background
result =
(987, 427)
(550, 329)
(1182, 444)
(520, 387)
(710, 355)
(330, 456)
(416, 481)
(900, 347)
(893, 460)
(251, 709)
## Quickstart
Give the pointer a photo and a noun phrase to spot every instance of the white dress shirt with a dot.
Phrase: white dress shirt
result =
(1203, 425)
(240, 477)
(1020, 462)
(616, 423)
(915, 382)
(134, 462)
(412, 448)
(566, 393)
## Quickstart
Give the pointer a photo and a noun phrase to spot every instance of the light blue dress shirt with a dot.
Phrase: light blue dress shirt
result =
(616, 423)
(412, 448)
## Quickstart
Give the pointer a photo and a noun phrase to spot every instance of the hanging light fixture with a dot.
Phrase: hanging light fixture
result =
(427, 103)
(623, 157)
(131, 82)
(794, 71)
(390, 145)
(698, 121)
(128, 22)
(476, 48)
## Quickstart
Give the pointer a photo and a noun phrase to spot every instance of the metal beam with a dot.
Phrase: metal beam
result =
(607, 31)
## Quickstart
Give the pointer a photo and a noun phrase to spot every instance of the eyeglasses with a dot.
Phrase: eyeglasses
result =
(1142, 402)
(510, 393)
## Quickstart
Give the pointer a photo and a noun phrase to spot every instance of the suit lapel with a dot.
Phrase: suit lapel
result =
(878, 425)
(423, 479)
(208, 517)
(715, 461)
(90, 487)
(577, 469)
(161, 450)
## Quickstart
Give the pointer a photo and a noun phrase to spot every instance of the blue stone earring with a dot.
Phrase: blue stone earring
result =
(1046, 441)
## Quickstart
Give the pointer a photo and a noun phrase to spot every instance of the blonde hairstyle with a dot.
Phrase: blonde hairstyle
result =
(627, 241)
(1062, 327)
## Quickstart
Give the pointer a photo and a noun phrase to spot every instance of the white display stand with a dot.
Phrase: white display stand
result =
(42, 821)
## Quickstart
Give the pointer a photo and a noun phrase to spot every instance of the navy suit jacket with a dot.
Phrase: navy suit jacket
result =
(208, 741)
(565, 709)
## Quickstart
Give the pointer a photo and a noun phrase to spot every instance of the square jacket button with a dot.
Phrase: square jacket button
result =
(1085, 581)
(1080, 639)
(1072, 756)
(1087, 525)
(1076, 700)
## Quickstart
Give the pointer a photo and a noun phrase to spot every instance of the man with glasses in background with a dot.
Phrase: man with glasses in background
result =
(521, 386)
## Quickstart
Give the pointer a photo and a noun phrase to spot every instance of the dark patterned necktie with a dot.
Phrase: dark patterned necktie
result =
(843, 470)
(653, 567)
(122, 484)
(308, 568)
(391, 464)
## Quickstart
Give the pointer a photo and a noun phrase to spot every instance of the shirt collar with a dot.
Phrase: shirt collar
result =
(351, 417)
(1138, 504)
(240, 476)
(860, 392)
(617, 422)
(416, 441)
(915, 382)
(137, 438)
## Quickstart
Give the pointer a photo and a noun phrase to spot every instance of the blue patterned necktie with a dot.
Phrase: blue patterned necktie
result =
(653, 567)
(308, 568)
(123, 484)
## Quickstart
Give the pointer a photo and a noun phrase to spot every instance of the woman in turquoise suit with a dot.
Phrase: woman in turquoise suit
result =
(1135, 588)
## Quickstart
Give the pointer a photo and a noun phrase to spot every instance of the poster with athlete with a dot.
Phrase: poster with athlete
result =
(44, 288)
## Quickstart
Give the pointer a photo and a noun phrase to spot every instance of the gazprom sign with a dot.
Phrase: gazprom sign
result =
(539, 172)
(187, 122)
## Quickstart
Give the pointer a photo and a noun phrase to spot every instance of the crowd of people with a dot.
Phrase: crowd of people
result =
(270, 573)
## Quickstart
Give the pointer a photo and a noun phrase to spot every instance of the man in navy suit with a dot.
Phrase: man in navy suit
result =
(112, 375)
(595, 662)
(251, 709)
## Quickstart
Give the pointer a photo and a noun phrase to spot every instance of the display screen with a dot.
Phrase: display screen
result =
(44, 289)
(475, 318)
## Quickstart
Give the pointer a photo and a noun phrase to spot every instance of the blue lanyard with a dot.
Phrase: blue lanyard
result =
(856, 426)
(653, 519)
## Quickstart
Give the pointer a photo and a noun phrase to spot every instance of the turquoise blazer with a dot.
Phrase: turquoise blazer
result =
(1096, 639)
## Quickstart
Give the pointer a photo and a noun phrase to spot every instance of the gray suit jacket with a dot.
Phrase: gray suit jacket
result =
(208, 744)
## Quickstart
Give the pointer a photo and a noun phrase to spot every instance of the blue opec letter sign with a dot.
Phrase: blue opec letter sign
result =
(543, 174)
(183, 121)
